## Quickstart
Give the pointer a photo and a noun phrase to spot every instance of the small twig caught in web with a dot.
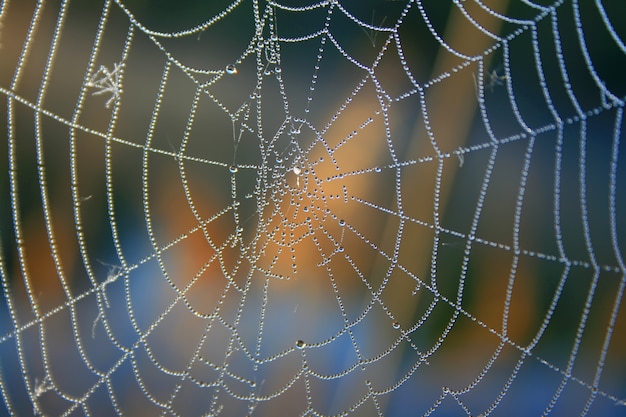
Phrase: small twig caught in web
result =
(114, 273)
(95, 324)
(43, 386)
(494, 79)
(372, 34)
(106, 81)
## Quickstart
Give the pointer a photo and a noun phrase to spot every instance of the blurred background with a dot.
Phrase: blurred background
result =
(363, 207)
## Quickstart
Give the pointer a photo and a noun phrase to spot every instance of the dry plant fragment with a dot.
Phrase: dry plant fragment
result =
(107, 82)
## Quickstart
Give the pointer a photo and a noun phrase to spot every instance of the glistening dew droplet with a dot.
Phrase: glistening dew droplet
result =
(342, 222)
(231, 69)
(396, 325)
(297, 170)
(300, 344)
(233, 169)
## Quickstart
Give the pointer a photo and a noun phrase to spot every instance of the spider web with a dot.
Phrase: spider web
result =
(313, 207)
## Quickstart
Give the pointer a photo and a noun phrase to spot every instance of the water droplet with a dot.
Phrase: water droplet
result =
(396, 325)
(297, 170)
(300, 344)
(233, 169)
(378, 169)
(231, 69)
(340, 249)
(342, 222)
(277, 70)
